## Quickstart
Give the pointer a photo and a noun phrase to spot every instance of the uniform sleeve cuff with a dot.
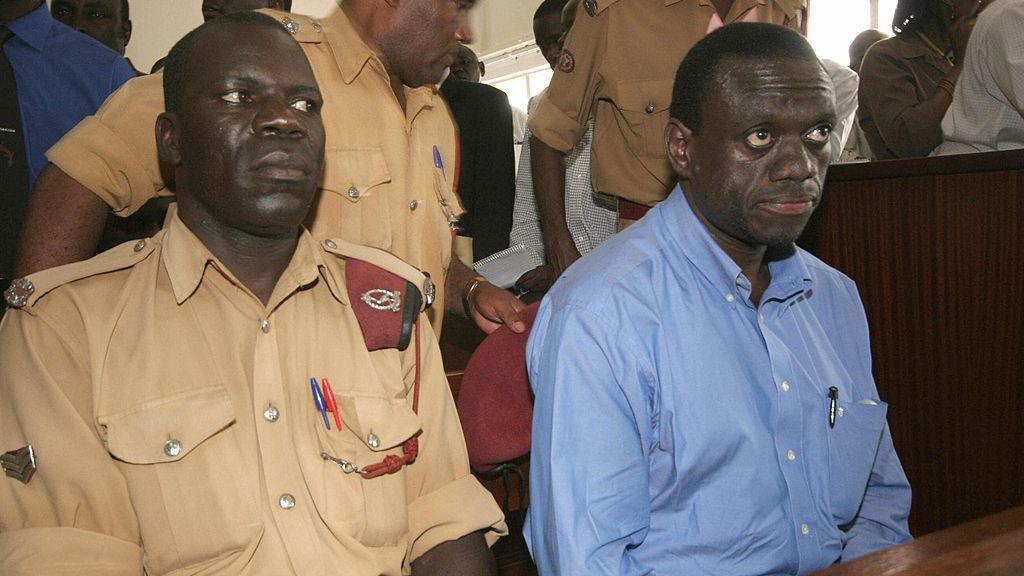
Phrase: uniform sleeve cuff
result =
(100, 160)
(67, 551)
(553, 127)
(451, 512)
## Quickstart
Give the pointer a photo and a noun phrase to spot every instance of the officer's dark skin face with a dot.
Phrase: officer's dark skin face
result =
(248, 154)
(421, 39)
(215, 8)
(466, 66)
(547, 31)
(757, 167)
(101, 19)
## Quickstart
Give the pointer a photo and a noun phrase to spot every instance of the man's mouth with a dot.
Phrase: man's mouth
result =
(789, 206)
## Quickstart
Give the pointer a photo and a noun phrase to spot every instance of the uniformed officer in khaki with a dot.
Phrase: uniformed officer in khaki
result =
(156, 406)
(617, 66)
(390, 170)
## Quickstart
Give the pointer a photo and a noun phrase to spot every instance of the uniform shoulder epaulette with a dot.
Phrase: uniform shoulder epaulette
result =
(26, 291)
(386, 293)
(305, 29)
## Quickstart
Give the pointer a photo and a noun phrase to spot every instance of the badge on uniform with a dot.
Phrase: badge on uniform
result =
(20, 464)
(566, 62)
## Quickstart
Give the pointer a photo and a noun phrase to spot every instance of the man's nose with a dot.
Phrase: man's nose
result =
(277, 117)
(794, 161)
(464, 32)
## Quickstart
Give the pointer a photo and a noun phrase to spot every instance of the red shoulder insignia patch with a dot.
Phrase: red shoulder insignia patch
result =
(566, 62)
(385, 304)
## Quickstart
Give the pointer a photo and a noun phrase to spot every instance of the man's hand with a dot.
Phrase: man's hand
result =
(540, 279)
(492, 306)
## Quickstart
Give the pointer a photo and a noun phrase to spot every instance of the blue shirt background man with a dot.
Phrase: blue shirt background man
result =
(684, 419)
(62, 76)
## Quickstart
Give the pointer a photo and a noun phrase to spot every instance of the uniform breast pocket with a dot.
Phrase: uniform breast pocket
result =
(853, 444)
(353, 204)
(183, 463)
(640, 108)
(376, 428)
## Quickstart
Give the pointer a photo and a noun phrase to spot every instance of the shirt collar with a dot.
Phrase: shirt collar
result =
(691, 238)
(348, 47)
(187, 259)
(34, 27)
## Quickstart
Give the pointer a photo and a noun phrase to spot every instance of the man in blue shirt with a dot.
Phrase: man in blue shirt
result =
(704, 397)
(61, 77)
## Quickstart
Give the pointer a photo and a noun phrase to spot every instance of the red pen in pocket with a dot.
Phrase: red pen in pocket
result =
(332, 406)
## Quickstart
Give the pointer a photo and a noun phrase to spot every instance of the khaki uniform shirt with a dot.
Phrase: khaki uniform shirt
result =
(618, 66)
(115, 357)
(897, 76)
(381, 185)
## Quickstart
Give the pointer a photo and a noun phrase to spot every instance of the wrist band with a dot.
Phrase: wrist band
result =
(467, 295)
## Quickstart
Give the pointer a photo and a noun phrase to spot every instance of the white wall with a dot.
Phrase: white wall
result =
(158, 24)
(499, 24)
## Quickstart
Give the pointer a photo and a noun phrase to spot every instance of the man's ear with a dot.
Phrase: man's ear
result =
(168, 139)
(483, 69)
(126, 31)
(679, 144)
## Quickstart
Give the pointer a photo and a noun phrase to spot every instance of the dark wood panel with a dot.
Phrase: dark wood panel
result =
(991, 546)
(940, 267)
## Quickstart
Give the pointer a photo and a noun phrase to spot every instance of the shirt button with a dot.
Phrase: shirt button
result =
(265, 326)
(286, 501)
(414, 205)
(172, 448)
(649, 109)
(373, 441)
(271, 414)
(785, 385)
(330, 244)
(139, 245)
(805, 529)
(729, 297)
(790, 455)
(353, 192)
(761, 317)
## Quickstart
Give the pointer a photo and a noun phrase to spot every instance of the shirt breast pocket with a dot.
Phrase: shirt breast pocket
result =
(354, 197)
(376, 427)
(853, 445)
(640, 109)
(192, 492)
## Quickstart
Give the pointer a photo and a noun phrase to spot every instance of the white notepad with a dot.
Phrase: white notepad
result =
(505, 267)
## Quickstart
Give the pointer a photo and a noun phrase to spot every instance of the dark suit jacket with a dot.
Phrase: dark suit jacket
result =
(487, 176)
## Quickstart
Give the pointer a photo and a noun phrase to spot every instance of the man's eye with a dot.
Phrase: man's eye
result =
(760, 138)
(304, 105)
(62, 11)
(234, 97)
(98, 15)
(820, 134)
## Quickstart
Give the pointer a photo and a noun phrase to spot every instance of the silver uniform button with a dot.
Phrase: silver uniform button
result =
(413, 205)
(18, 293)
(353, 192)
(172, 448)
(265, 326)
(317, 27)
(649, 109)
(291, 26)
(139, 245)
(271, 414)
(330, 244)
(373, 441)
(286, 502)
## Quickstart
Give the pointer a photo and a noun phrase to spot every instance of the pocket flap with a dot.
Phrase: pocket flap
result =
(167, 429)
(354, 172)
(646, 96)
(379, 423)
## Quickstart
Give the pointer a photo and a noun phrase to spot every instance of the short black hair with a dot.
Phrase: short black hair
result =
(124, 11)
(549, 7)
(910, 14)
(743, 40)
(176, 66)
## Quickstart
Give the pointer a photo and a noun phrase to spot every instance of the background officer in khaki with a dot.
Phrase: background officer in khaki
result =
(617, 66)
(165, 386)
(389, 178)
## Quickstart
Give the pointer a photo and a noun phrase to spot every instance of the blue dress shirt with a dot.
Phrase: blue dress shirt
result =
(63, 76)
(680, 430)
